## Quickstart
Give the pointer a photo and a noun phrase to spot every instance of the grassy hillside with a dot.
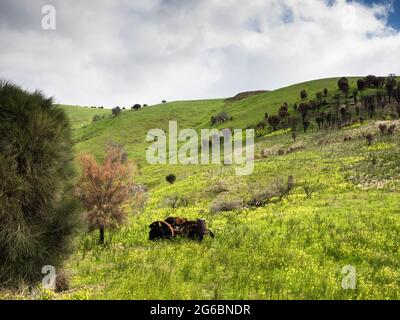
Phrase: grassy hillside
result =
(83, 116)
(249, 112)
(131, 127)
(342, 211)
(293, 249)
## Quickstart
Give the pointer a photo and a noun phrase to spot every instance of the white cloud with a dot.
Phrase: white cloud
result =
(123, 52)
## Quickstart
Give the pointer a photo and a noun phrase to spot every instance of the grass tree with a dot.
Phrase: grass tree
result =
(303, 110)
(344, 86)
(104, 189)
(38, 216)
(283, 114)
(274, 122)
(391, 84)
(303, 94)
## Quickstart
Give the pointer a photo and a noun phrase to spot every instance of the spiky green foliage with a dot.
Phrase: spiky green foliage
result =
(37, 214)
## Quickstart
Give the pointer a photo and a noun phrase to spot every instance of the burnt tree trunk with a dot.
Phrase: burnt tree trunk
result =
(101, 239)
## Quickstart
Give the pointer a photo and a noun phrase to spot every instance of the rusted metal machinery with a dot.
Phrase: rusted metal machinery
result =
(174, 227)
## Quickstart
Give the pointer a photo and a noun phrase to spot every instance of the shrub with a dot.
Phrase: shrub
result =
(347, 138)
(274, 122)
(392, 129)
(361, 84)
(96, 118)
(371, 81)
(279, 189)
(265, 153)
(171, 178)
(221, 205)
(136, 107)
(220, 118)
(261, 198)
(62, 282)
(38, 216)
(343, 85)
(138, 194)
(370, 138)
(282, 189)
(176, 201)
(219, 187)
(283, 112)
(296, 146)
(303, 109)
(117, 151)
(104, 189)
(260, 128)
(293, 123)
(310, 188)
(303, 94)
(383, 128)
(116, 111)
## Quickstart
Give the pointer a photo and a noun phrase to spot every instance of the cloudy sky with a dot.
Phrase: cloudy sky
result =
(122, 52)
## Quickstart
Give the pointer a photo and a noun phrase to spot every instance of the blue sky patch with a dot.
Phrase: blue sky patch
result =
(394, 18)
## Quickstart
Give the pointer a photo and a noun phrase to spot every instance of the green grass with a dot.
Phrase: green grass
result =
(293, 249)
(83, 116)
(130, 127)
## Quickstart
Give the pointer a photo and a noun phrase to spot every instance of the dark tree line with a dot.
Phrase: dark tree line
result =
(344, 107)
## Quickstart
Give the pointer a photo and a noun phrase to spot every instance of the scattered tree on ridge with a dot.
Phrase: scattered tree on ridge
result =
(274, 122)
(136, 107)
(303, 94)
(116, 111)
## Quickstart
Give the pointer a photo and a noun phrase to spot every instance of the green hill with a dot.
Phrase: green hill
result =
(343, 210)
(130, 129)
(252, 110)
(83, 116)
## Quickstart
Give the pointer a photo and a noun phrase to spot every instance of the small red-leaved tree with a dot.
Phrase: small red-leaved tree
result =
(104, 189)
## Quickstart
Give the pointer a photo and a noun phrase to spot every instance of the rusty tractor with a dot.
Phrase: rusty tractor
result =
(179, 227)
